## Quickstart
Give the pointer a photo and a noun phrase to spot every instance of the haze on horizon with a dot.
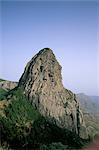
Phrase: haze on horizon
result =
(70, 29)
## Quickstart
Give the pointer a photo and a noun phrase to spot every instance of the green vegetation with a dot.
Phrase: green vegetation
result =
(20, 116)
(22, 127)
(2, 93)
(54, 146)
(20, 111)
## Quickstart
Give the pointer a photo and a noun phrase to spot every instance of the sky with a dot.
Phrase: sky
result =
(69, 28)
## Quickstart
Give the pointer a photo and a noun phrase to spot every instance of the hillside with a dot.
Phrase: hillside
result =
(89, 104)
(90, 108)
(95, 100)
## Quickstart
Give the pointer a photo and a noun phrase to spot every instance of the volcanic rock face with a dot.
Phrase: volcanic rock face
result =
(42, 83)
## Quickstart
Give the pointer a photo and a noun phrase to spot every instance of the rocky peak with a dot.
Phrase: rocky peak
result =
(42, 66)
(42, 83)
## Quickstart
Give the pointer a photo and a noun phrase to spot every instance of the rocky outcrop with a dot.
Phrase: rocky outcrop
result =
(42, 83)
(8, 85)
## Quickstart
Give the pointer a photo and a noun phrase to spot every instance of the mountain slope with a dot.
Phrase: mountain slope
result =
(23, 127)
(95, 100)
(88, 103)
(39, 111)
(90, 110)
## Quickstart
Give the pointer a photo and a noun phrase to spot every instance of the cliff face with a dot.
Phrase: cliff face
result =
(42, 83)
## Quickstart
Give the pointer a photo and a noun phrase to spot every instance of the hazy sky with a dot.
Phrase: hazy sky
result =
(70, 29)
